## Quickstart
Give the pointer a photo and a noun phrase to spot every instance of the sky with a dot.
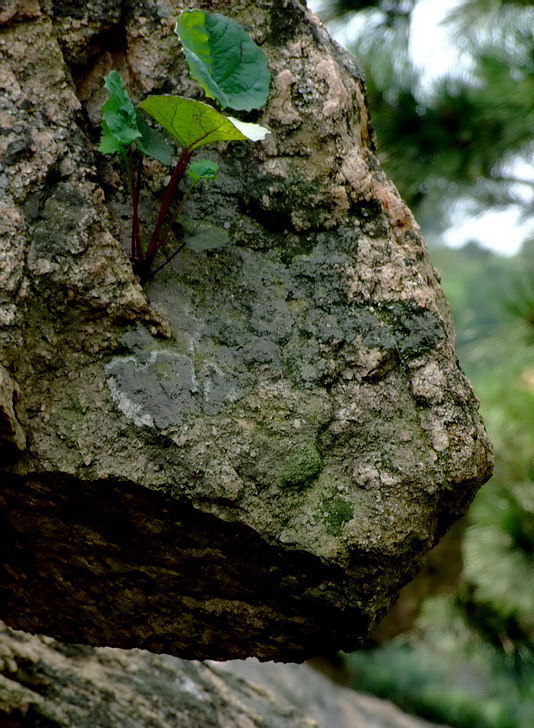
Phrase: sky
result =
(433, 50)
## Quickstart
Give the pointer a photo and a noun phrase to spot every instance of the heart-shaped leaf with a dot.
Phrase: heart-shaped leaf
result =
(224, 60)
(202, 169)
(200, 235)
(193, 123)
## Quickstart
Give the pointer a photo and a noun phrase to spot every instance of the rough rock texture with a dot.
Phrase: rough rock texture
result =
(44, 684)
(441, 574)
(251, 456)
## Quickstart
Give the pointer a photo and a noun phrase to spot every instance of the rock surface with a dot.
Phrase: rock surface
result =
(252, 455)
(45, 683)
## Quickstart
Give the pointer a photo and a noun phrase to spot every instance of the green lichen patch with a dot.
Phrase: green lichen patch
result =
(302, 466)
(335, 512)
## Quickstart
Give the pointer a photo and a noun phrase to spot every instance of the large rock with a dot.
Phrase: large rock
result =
(45, 683)
(251, 456)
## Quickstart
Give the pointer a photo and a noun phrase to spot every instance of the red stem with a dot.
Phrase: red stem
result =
(135, 183)
(163, 236)
(155, 241)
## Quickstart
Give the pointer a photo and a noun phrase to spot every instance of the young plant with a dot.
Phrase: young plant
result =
(233, 71)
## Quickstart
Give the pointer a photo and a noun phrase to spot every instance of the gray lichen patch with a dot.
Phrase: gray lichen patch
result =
(163, 387)
(260, 316)
(416, 330)
(160, 389)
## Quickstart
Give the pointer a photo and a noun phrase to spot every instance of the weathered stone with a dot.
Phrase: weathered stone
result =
(45, 683)
(253, 454)
(12, 437)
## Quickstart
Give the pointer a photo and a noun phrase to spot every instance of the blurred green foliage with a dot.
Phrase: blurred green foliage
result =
(461, 137)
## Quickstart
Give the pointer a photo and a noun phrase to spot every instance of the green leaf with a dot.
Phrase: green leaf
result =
(108, 143)
(153, 143)
(202, 169)
(224, 60)
(119, 117)
(193, 123)
(200, 235)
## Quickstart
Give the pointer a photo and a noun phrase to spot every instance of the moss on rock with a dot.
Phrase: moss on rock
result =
(302, 466)
(336, 512)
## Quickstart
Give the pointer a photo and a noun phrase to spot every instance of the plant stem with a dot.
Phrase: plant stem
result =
(152, 273)
(163, 237)
(126, 163)
(155, 243)
(134, 172)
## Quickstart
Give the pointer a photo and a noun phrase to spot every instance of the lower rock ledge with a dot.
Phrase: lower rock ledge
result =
(115, 564)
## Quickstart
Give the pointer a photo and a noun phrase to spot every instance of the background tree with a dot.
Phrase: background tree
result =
(462, 137)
